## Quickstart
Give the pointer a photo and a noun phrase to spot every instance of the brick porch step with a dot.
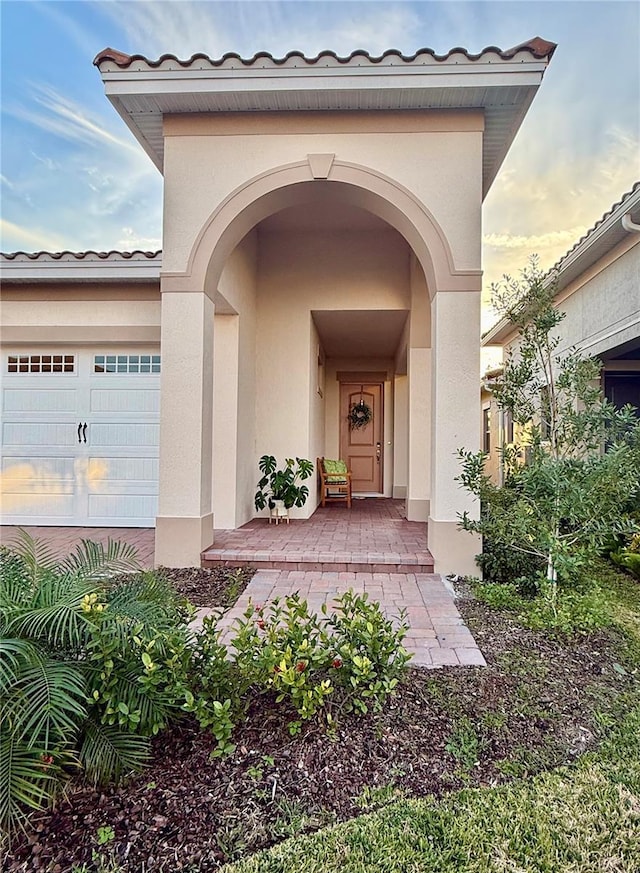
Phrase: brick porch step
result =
(335, 562)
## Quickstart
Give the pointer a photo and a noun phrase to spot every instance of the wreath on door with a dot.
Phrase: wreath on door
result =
(359, 415)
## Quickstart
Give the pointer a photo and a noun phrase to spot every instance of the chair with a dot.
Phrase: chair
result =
(335, 481)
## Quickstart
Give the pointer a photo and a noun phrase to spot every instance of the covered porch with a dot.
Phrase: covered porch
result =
(373, 536)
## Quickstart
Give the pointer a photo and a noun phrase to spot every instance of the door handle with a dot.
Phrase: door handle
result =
(84, 431)
(80, 432)
(378, 451)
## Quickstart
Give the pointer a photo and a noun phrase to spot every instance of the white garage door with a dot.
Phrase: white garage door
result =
(80, 437)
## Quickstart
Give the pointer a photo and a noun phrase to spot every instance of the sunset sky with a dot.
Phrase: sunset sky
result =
(73, 177)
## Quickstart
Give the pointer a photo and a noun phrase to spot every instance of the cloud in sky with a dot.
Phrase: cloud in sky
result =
(74, 173)
(183, 28)
(66, 118)
(30, 237)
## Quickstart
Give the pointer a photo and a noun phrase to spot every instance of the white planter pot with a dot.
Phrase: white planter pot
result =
(278, 511)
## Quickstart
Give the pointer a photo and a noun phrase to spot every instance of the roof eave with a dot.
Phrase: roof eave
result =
(259, 83)
(64, 267)
(578, 259)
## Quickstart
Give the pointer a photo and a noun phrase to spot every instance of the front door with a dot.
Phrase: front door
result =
(361, 447)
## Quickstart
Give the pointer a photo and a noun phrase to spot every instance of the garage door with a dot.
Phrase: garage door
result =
(80, 437)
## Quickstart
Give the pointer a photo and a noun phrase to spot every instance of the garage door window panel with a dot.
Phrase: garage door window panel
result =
(126, 364)
(41, 364)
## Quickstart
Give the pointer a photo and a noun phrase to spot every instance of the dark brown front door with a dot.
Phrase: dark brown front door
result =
(361, 447)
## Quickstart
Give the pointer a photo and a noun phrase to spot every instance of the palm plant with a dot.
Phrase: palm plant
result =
(74, 650)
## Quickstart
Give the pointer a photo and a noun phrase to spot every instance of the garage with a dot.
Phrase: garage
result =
(80, 429)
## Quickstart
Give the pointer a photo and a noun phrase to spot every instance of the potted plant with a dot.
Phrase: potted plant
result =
(281, 489)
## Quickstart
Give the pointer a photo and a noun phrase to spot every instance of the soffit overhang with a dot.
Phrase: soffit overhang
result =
(502, 84)
(601, 239)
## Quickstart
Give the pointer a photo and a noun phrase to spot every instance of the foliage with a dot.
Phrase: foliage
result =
(571, 611)
(282, 649)
(93, 663)
(563, 497)
(286, 649)
(370, 656)
(501, 564)
(282, 484)
(628, 557)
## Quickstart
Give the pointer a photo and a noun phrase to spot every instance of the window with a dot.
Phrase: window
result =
(126, 364)
(41, 364)
(486, 431)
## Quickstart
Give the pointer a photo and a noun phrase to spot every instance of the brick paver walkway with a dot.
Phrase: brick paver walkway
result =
(373, 536)
(371, 548)
(62, 540)
(437, 634)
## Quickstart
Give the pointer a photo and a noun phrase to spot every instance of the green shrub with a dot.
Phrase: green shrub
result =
(500, 563)
(282, 649)
(370, 656)
(92, 664)
(355, 655)
(572, 611)
(628, 557)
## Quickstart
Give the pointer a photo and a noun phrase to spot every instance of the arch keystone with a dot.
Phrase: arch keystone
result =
(320, 165)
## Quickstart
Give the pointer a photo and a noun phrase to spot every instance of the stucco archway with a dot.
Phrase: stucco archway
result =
(284, 186)
(187, 325)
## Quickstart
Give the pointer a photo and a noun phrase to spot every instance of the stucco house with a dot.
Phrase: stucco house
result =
(598, 289)
(321, 243)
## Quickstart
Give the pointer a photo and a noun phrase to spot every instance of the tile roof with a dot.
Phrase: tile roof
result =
(558, 265)
(112, 255)
(538, 47)
(605, 234)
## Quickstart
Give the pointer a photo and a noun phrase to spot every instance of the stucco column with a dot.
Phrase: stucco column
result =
(419, 455)
(184, 526)
(455, 424)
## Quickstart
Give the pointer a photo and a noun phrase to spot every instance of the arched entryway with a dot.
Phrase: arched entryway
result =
(274, 399)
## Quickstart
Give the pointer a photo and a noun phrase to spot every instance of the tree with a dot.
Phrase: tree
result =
(576, 459)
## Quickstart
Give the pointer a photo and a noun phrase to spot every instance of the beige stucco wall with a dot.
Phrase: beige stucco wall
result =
(419, 398)
(79, 313)
(207, 158)
(316, 409)
(234, 424)
(400, 436)
(602, 307)
(300, 272)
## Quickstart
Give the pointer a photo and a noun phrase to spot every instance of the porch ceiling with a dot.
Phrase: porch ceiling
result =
(360, 333)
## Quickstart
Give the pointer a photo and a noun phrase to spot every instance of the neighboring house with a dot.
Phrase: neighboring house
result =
(322, 242)
(598, 283)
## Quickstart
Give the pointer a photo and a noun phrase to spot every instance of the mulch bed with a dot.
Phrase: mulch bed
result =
(530, 709)
(219, 586)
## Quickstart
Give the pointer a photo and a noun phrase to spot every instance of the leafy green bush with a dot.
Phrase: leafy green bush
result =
(502, 564)
(371, 657)
(92, 664)
(286, 649)
(628, 557)
(571, 612)
(282, 649)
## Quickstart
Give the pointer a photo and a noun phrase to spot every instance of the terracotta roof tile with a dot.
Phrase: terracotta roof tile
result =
(538, 47)
(56, 256)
